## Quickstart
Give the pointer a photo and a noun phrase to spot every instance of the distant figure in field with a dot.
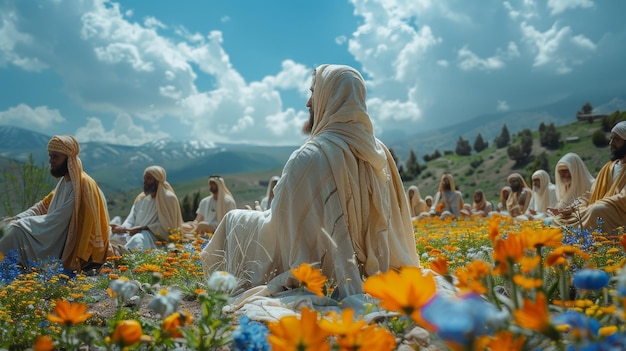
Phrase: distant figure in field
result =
(520, 196)
(212, 208)
(429, 201)
(544, 195)
(605, 206)
(480, 206)
(448, 201)
(573, 179)
(71, 223)
(266, 202)
(505, 192)
(417, 206)
(154, 214)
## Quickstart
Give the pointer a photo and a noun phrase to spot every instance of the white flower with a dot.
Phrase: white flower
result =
(165, 302)
(221, 281)
(124, 289)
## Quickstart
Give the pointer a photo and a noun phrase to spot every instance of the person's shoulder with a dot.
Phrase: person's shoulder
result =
(309, 152)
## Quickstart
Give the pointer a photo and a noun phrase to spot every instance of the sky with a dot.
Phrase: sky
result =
(130, 71)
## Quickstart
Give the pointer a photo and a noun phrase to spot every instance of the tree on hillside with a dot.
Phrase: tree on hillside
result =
(463, 147)
(503, 139)
(394, 156)
(480, 144)
(520, 152)
(413, 168)
(541, 162)
(587, 108)
(549, 137)
(599, 139)
(188, 206)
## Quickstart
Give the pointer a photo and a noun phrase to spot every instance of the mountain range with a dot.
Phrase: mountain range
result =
(119, 167)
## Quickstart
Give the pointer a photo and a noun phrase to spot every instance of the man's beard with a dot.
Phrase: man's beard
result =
(618, 153)
(446, 187)
(61, 171)
(307, 128)
(536, 188)
(149, 189)
(516, 187)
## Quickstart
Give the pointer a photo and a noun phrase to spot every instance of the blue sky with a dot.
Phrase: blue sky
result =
(131, 71)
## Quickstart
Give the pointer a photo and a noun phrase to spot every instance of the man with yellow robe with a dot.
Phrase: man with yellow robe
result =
(154, 214)
(71, 223)
(604, 206)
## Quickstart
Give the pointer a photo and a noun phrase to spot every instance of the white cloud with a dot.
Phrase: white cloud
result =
(443, 63)
(469, 61)
(340, 40)
(559, 6)
(10, 37)
(124, 132)
(502, 106)
(27, 117)
(557, 48)
(151, 22)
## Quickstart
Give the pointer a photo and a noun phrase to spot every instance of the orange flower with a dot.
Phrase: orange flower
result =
(493, 228)
(312, 279)
(439, 207)
(560, 255)
(127, 332)
(343, 325)
(534, 315)
(44, 343)
(174, 321)
(622, 241)
(471, 276)
(369, 338)
(404, 292)
(504, 341)
(303, 334)
(527, 283)
(536, 239)
(69, 314)
(440, 265)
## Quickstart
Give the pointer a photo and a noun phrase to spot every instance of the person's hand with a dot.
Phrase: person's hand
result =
(567, 211)
(532, 212)
(118, 229)
(134, 230)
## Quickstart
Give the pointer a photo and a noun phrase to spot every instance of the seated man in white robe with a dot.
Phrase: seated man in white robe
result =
(70, 223)
(339, 204)
(544, 195)
(212, 208)
(154, 214)
(266, 201)
(572, 179)
(448, 201)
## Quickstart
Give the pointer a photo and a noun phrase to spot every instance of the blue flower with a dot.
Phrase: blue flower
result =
(250, 336)
(579, 323)
(9, 269)
(591, 279)
(461, 320)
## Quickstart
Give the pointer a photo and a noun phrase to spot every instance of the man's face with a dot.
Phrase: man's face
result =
(58, 164)
(565, 175)
(150, 184)
(212, 187)
(446, 183)
(478, 197)
(617, 146)
(536, 184)
(515, 184)
(307, 128)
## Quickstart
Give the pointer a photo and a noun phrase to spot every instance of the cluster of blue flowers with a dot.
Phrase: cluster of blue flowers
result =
(250, 336)
(578, 236)
(9, 269)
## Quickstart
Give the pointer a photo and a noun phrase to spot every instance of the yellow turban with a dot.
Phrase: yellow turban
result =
(65, 144)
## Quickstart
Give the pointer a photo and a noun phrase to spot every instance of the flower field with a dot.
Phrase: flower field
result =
(518, 286)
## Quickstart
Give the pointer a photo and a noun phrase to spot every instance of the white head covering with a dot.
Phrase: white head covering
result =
(542, 197)
(581, 179)
(222, 192)
(168, 210)
(620, 129)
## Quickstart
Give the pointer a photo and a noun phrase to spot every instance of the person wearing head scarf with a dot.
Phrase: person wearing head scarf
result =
(212, 208)
(480, 206)
(154, 214)
(266, 201)
(604, 207)
(543, 196)
(71, 223)
(339, 205)
(520, 196)
(448, 201)
(417, 205)
(505, 192)
(572, 179)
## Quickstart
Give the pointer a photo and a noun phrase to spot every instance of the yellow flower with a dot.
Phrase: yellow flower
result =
(293, 334)
(174, 321)
(538, 238)
(312, 279)
(404, 292)
(527, 283)
(127, 332)
(69, 314)
(343, 325)
(369, 338)
(44, 343)
(560, 255)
